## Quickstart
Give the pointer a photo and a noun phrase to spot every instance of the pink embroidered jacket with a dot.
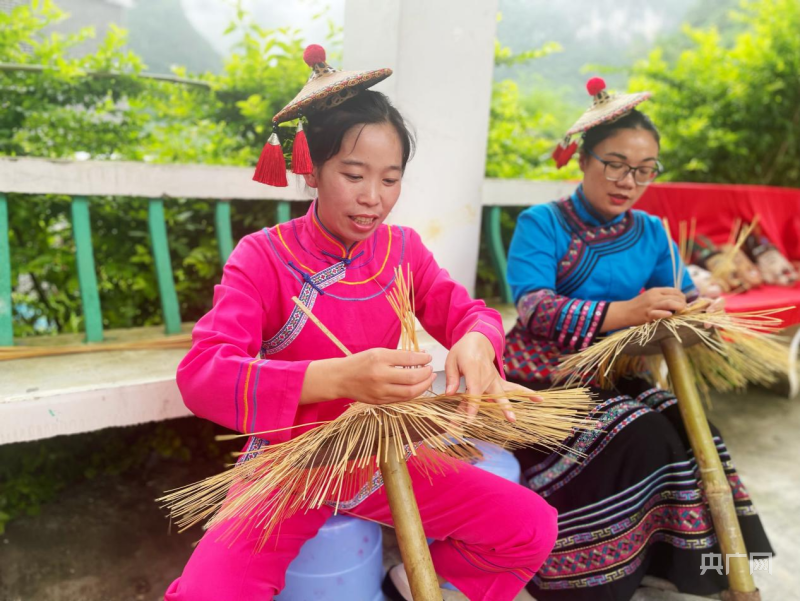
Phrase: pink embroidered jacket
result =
(250, 352)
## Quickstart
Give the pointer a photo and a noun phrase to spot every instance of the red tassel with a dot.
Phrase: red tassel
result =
(562, 155)
(271, 168)
(301, 157)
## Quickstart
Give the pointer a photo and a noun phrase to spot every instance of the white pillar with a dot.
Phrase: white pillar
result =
(442, 54)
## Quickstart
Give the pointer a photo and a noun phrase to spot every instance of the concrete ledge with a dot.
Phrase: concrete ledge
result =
(69, 394)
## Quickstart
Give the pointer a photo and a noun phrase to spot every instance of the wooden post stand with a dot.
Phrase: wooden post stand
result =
(408, 526)
(402, 504)
(718, 491)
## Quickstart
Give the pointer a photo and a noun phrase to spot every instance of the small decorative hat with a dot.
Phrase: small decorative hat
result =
(605, 109)
(325, 89)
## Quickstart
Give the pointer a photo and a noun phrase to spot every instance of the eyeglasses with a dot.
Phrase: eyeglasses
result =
(617, 171)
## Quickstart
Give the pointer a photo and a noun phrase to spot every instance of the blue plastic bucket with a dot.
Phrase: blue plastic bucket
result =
(344, 561)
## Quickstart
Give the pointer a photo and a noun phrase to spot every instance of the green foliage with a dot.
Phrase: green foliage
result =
(33, 473)
(98, 107)
(523, 131)
(731, 114)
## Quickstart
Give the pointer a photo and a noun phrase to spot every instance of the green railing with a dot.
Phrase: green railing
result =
(160, 183)
(500, 193)
(101, 179)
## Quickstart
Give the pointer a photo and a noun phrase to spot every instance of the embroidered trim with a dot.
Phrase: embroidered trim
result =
(383, 265)
(244, 396)
(570, 465)
(297, 319)
(254, 444)
(367, 489)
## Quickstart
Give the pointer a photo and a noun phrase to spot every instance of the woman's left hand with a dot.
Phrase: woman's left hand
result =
(474, 358)
(717, 306)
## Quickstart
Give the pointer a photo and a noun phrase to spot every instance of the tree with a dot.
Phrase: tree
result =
(731, 114)
(524, 129)
(100, 107)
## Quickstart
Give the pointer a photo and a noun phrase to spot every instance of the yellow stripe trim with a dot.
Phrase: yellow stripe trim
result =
(311, 271)
(352, 250)
(286, 246)
(246, 386)
(386, 258)
(328, 238)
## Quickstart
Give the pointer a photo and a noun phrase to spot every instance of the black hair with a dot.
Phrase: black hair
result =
(326, 129)
(633, 120)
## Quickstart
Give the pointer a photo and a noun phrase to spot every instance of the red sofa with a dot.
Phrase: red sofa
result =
(716, 207)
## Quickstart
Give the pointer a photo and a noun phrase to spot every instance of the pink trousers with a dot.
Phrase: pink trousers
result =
(491, 536)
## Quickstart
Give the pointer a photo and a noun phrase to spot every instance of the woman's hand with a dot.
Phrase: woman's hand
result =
(717, 306)
(650, 305)
(656, 303)
(474, 358)
(374, 376)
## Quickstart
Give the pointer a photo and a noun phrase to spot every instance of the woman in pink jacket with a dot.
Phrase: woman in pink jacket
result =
(257, 365)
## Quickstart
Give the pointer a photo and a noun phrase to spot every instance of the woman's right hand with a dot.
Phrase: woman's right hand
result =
(655, 303)
(377, 376)
(373, 376)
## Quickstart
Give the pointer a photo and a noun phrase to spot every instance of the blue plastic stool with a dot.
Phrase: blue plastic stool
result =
(343, 561)
(499, 462)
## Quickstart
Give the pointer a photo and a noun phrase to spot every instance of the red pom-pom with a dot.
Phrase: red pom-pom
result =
(595, 85)
(314, 54)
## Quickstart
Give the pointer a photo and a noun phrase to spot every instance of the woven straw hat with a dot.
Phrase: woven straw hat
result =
(327, 87)
(605, 108)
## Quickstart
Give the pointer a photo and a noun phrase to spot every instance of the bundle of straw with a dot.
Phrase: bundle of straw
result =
(726, 350)
(724, 268)
(729, 350)
(336, 460)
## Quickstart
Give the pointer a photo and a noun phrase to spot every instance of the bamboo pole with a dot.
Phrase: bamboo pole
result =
(717, 489)
(402, 504)
(408, 525)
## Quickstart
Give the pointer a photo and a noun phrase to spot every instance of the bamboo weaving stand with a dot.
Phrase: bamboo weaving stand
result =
(402, 504)
(408, 525)
(717, 489)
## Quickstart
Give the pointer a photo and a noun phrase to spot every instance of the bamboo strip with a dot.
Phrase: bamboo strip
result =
(178, 341)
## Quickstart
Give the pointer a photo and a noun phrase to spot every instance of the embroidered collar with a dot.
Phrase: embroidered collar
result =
(328, 243)
(588, 214)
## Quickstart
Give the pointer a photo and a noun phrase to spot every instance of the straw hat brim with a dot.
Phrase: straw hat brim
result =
(329, 84)
(611, 109)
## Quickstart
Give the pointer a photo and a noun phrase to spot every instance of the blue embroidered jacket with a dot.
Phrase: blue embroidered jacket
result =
(565, 265)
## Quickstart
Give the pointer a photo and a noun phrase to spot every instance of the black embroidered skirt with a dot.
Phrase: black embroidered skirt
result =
(634, 506)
